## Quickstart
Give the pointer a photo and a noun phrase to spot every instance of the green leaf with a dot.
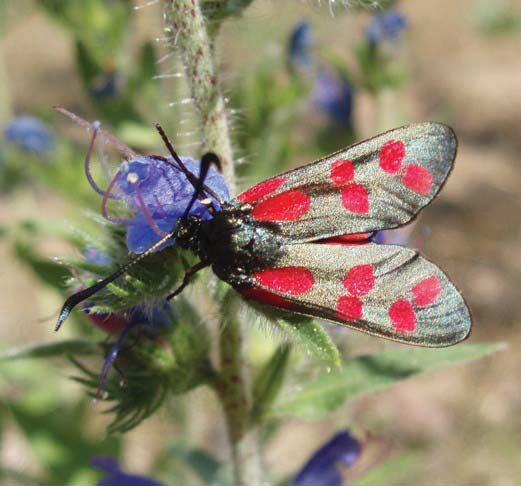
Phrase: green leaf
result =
(364, 374)
(48, 350)
(201, 462)
(311, 336)
(269, 381)
(393, 471)
(49, 272)
(61, 442)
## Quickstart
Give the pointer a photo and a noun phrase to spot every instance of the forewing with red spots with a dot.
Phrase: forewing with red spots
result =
(388, 291)
(377, 184)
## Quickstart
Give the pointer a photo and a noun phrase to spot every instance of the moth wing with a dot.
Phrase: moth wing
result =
(384, 290)
(380, 183)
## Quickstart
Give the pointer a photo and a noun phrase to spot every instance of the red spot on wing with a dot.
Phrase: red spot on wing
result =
(349, 307)
(342, 172)
(359, 280)
(261, 190)
(355, 198)
(286, 206)
(286, 280)
(391, 156)
(402, 316)
(427, 291)
(418, 178)
(351, 239)
(265, 297)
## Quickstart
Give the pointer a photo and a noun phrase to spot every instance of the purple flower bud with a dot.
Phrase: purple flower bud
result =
(333, 95)
(299, 46)
(152, 315)
(116, 477)
(323, 467)
(385, 26)
(159, 194)
(155, 317)
(29, 134)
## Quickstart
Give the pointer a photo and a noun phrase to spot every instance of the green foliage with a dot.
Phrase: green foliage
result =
(364, 374)
(204, 465)
(497, 18)
(304, 331)
(265, 128)
(218, 10)
(268, 382)
(74, 347)
(60, 440)
(101, 26)
(377, 69)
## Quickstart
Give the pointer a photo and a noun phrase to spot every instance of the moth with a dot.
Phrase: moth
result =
(302, 241)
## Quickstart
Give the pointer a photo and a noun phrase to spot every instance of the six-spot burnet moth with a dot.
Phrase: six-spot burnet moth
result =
(302, 241)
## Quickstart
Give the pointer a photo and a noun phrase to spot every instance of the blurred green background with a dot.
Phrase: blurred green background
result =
(460, 62)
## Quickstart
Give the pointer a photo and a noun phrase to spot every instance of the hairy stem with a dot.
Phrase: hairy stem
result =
(187, 30)
(231, 388)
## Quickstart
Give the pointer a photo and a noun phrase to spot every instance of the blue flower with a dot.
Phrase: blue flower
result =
(385, 25)
(116, 477)
(323, 467)
(299, 45)
(29, 134)
(333, 95)
(158, 194)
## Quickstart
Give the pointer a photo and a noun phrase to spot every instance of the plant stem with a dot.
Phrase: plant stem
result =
(231, 389)
(187, 29)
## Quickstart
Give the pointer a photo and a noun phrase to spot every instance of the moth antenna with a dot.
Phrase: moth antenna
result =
(181, 166)
(84, 294)
(206, 161)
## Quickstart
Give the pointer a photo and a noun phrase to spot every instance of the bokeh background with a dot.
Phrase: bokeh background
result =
(462, 65)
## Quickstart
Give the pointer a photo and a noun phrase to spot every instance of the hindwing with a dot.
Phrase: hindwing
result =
(384, 290)
(377, 184)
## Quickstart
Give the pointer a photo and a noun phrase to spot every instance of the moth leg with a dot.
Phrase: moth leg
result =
(186, 280)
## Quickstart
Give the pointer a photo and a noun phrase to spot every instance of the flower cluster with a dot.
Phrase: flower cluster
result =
(332, 93)
(29, 134)
(386, 25)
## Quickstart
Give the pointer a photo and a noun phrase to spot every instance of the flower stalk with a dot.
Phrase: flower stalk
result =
(188, 30)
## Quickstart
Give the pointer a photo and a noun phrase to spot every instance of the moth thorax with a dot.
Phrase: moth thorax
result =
(186, 233)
